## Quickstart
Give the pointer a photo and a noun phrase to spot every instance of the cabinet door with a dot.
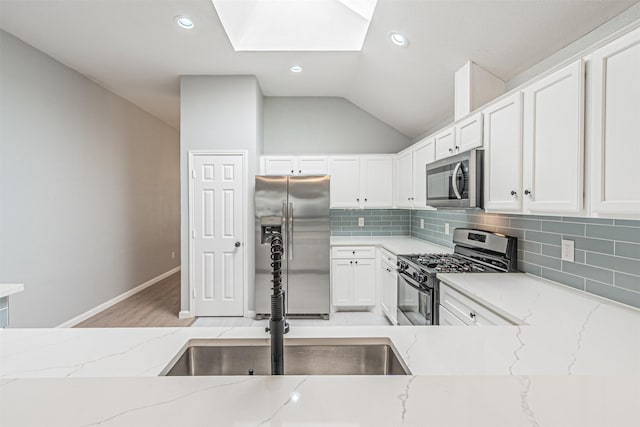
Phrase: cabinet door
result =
(615, 126)
(445, 142)
(553, 142)
(342, 282)
(345, 182)
(313, 165)
(376, 182)
(364, 282)
(469, 133)
(423, 154)
(279, 165)
(448, 319)
(389, 290)
(503, 155)
(403, 182)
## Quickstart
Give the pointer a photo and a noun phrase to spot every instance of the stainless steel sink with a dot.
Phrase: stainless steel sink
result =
(343, 356)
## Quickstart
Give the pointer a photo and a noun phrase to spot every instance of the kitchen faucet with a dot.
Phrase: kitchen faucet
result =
(277, 322)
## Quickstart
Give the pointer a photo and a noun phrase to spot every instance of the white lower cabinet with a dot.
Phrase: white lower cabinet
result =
(457, 309)
(388, 279)
(353, 276)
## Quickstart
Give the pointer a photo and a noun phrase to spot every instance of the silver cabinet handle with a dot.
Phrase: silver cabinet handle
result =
(472, 315)
(451, 150)
(357, 200)
(454, 182)
(528, 193)
(513, 193)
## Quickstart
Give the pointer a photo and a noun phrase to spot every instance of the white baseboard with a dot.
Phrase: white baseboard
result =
(251, 314)
(185, 314)
(84, 316)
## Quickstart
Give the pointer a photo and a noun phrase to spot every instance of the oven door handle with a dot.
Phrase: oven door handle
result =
(415, 285)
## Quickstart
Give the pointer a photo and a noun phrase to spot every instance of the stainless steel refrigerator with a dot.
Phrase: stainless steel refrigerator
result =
(298, 208)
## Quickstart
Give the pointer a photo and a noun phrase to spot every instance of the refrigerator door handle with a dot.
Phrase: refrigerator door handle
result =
(291, 230)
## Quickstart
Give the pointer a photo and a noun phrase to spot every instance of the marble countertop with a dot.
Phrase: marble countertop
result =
(398, 245)
(574, 360)
(10, 289)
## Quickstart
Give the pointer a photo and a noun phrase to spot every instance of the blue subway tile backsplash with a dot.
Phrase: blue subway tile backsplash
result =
(607, 251)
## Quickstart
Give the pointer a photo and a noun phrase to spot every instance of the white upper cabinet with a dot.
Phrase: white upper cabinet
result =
(295, 165)
(411, 174)
(445, 143)
(468, 133)
(404, 179)
(345, 181)
(503, 155)
(554, 141)
(279, 165)
(361, 181)
(423, 154)
(615, 126)
(376, 182)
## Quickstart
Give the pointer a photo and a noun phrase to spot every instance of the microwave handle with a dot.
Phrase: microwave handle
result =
(454, 182)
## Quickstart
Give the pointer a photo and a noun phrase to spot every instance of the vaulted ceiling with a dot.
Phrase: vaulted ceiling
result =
(134, 48)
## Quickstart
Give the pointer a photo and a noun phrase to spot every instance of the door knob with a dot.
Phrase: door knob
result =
(237, 244)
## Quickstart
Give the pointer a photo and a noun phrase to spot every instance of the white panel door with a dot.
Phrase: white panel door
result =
(342, 282)
(364, 282)
(217, 234)
(404, 180)
(554, 142)
(345, 181)
(313, 165)
(503, 155)
(469, 133)
(280, 165)
(423, 154)
(445, 143)
(376, 182)
(615, 107)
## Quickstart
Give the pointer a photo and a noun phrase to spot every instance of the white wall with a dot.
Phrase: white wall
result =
(219, 113)
(325, 125)
(89, 190)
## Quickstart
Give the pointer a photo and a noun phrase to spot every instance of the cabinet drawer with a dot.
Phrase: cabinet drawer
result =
(448, 319)
(467, 310)
(388, 257)
(352, 252)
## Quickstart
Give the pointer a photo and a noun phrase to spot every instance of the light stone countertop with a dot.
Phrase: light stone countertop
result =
(574, 360)
(398, 245)
(10, 289)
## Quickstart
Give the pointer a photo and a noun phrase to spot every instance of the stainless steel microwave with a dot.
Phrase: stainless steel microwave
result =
(457, 181)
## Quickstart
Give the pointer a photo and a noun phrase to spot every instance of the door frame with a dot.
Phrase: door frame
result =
(192, 154)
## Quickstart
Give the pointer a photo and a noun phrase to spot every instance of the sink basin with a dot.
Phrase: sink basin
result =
(343, 356)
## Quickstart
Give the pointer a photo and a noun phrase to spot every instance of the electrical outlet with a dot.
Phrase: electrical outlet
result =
(568, 250)
(173, 255)
(446, 228)
(421, 222)
(360, 222)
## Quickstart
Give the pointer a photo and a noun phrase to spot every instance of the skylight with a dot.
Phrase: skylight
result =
(296, 25)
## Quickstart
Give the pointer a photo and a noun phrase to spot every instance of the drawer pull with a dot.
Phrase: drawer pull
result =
(472, 315)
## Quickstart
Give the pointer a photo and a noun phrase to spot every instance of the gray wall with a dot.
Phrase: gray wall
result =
(325, 125)
(89, 183)
(219, 113)
(607, 256)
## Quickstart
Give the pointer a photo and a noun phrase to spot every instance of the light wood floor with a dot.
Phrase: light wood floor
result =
(157, 305)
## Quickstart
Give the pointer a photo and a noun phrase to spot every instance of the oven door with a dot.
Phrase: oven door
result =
(415, 304)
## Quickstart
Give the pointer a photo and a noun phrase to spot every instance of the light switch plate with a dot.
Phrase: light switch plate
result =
(421, 222)
(361, 222)
(446, 228)
(568, 250)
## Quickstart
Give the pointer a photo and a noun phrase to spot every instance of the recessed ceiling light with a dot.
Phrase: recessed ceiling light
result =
(296, 69)
(398, 39)
(184, 22)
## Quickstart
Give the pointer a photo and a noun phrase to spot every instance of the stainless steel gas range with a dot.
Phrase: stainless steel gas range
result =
(475, 251)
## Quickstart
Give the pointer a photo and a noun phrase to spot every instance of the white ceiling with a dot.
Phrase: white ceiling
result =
(134, 48)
